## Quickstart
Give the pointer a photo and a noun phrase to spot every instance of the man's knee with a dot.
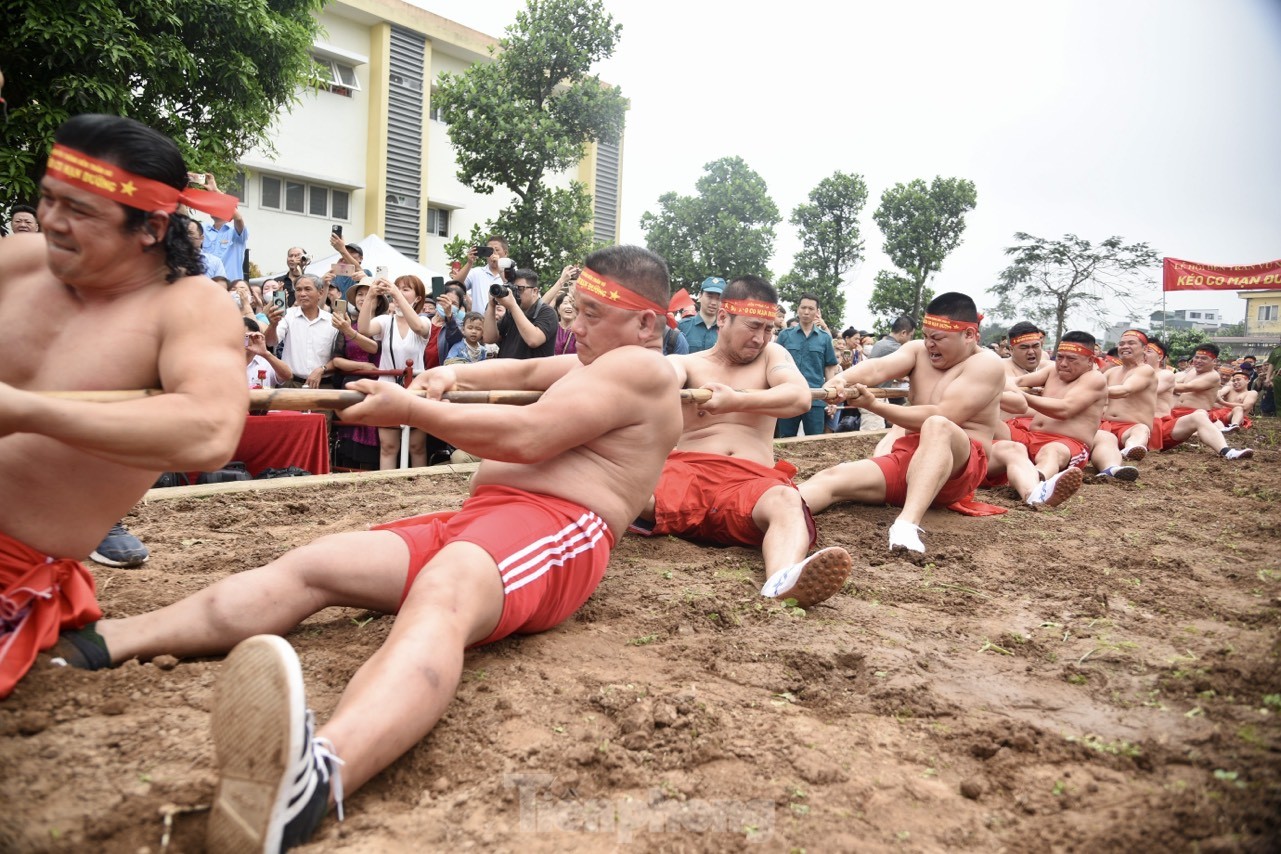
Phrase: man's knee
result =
(776, 504)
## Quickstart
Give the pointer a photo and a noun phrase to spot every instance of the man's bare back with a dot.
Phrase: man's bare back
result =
(59, 495)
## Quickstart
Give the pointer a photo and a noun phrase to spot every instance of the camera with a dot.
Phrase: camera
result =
(484, 251)
(305, 260)
(499, 291)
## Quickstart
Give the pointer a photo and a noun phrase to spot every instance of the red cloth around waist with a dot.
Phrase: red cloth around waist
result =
(39, 597)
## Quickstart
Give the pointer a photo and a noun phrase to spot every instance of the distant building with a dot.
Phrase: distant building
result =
(370, 153)
(1262, 312)
(1198, 318)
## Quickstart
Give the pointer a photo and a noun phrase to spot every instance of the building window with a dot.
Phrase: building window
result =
(270, 192)
(1194, 314)
(1267, 313)
(438, 222)
(336, 76)
(237, 187)
(301, 198)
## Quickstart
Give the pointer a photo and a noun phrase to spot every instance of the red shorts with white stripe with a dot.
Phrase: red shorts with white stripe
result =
(551, 553)
(1019, 428)
(1163, 425)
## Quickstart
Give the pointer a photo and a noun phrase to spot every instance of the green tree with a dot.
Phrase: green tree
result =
(530, 114)
(922, 224)
(1056, 277)
(209, 75)
(726, 229)
(1182, 342)
(830, 243)
(893, 296)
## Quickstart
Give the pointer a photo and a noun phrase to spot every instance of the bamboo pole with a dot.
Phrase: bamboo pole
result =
(307, 399)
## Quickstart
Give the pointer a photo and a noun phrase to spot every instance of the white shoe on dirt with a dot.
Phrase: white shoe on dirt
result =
(815, 579)
(905, 535)
(1056, 490)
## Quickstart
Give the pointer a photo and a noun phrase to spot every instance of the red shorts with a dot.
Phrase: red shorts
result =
(1034, 441)
(894, 468)
(1162, 428)
(1019, 428)
(1118, 429)
(711, 497)
(551, 553)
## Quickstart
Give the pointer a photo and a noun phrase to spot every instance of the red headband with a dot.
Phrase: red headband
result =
(120, 185)
(1155, 348)
(1206, 353)
(1026, 337)
(615, 294)
(947, 324)
(1076, 349)
(750, 308)
(1138, 334)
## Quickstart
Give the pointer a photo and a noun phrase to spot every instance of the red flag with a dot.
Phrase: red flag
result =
(1191, 276)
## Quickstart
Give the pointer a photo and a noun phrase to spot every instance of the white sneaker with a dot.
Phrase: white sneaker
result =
(905, 535)
(820, 576)
(1228, 428)
(1237, 453)
(274, 777)
(1056, 490)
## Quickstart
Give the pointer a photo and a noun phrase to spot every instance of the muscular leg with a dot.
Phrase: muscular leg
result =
(1137, 436)
(1199, 422)
(1052, 459)
(944, 451)
(781, 516)
(1106, 452)
(365, 569)
(400, 693)
(860, 481)
(1011, 457)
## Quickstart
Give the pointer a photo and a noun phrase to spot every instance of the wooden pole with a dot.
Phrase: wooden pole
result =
(307, 399)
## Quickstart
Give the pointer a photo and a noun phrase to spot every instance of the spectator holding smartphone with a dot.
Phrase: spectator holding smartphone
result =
(296, 261)
(305, 333)
(404, 334)
(492, 271)
(226, 240)
(349, 269)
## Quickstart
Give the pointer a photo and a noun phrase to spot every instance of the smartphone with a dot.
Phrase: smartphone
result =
(340, 307)
(437, 286)
(280, 298)
(380, 272)
(198, 179)
(343, 269)
(484, 251)
(337, 229)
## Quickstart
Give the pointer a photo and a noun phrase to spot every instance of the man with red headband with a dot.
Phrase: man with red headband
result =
(1196, 392)
(1126, 429)
(1044, 465)
(1027, 356)
(522, 554)
(955, 394)
(108, 275)
(721, 484)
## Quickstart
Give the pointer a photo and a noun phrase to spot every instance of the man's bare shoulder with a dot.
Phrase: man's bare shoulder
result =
(640, 368)
(21, 256)
(985, 365)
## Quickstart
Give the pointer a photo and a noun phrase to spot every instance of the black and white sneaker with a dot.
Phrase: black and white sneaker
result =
(274, 776)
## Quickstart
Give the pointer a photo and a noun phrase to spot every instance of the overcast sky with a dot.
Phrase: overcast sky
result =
(1158, 121)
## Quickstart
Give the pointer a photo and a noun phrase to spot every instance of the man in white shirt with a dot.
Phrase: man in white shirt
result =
(305, 334)
(479, 279)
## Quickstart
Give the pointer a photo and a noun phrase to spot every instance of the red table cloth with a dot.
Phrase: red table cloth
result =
(278, 440)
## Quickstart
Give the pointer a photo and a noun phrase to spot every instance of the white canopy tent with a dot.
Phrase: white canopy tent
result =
(378, 252)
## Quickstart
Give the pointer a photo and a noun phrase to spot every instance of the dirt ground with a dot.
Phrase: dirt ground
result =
(1099, 678)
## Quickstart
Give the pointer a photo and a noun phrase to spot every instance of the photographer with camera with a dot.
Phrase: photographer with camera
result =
(528, 329)
(296, 260)
(492, 272)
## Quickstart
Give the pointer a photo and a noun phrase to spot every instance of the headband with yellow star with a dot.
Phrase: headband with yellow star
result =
(120, 185)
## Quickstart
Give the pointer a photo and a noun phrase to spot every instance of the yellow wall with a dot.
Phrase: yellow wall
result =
(1254, 300)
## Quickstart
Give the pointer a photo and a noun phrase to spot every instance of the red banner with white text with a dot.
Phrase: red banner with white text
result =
(1191, 276)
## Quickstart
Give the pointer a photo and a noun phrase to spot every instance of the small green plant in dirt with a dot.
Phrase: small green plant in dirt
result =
(1272, 701)
(1229, 777)
(1059, 789)
(1120, 747)
(643, 640)
(988, 646)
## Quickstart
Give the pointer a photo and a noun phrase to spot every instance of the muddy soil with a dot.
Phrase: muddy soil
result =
(1103, 677)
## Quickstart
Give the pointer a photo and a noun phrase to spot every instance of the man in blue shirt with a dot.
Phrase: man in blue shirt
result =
(700, 330)
(226, 239)
(812, 350)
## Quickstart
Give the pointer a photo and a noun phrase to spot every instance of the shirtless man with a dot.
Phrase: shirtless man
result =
(1045, 466)
(721, 483)
(1236, 402)
(954, 408)
(1126, 429)
(1027, 356)
(524, 552)
(1197, 392)
(107, 275)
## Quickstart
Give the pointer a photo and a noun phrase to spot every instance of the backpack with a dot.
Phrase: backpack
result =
(230, 473)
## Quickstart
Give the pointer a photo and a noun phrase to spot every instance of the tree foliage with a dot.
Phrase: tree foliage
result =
(831, 243)
(529, 114)
(725, 229)
(922, 224)
(1183, 342)
(1055, 277)
(212, 76)
(893, 296)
